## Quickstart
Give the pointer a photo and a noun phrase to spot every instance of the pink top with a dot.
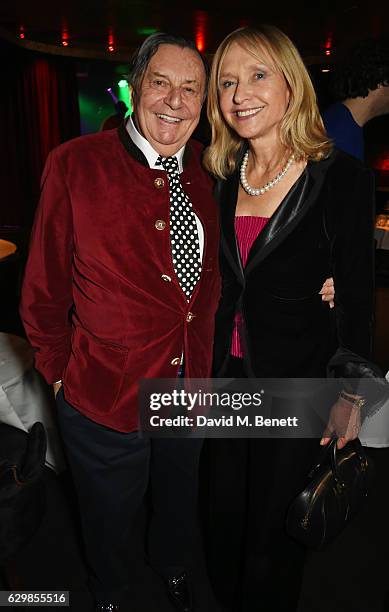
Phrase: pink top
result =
(247, 229)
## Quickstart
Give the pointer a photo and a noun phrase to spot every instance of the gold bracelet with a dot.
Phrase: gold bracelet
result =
(358, 402)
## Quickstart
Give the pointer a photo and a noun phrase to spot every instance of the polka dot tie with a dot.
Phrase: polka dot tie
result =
(184, 237)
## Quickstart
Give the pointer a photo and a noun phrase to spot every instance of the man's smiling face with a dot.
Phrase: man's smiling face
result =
(168, 104)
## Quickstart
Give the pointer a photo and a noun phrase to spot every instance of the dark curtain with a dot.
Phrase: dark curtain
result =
(39, 111)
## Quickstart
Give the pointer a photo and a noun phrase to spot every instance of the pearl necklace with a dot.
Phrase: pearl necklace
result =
(261, 190)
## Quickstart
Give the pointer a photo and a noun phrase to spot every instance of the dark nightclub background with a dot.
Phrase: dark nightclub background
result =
(58, 61)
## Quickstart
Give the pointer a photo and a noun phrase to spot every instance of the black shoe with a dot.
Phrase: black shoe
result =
(180, 592)
(107, 607)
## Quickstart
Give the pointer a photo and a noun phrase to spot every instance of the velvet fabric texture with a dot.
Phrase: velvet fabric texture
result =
(101, 302)
(324, 227)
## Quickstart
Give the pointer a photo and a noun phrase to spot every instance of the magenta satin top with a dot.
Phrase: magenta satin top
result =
(247, 229)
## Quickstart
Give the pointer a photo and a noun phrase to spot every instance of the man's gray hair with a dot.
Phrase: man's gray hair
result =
(141, 58)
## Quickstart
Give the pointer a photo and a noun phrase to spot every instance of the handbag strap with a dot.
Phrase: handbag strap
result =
(331, 452)
(356, 446)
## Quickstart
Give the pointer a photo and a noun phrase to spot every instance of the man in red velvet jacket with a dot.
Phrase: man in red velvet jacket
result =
(103, 306)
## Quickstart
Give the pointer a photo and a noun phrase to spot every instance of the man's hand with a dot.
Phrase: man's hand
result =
(344, 422)
(56, 387)
(327, 292)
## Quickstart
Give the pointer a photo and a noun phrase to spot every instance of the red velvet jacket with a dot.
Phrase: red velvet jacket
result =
(101, 302)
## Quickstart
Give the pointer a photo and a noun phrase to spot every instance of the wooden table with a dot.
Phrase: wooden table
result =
(6, 249)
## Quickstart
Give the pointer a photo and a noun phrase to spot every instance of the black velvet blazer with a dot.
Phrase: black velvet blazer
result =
(323, 227)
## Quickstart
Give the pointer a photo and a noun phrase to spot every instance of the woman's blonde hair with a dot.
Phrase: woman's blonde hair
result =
(301, 129)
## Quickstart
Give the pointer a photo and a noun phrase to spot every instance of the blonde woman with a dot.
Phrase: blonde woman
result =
(294, 211)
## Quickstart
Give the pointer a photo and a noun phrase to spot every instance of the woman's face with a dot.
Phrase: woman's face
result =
(253, 96)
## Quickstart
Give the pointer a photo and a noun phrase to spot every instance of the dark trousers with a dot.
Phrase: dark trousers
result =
(111, 472)
(252, 561)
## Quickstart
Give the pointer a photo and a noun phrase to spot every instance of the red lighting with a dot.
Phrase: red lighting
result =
(200, 44)
(65, 34)
(200, 28)
(383, 162)
(21, 32)
(385, 165)
(22, 35)
(111, 41)
(328, 44)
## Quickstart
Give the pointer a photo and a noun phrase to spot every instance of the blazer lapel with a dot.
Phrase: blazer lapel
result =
(290, 213)
(227, 196)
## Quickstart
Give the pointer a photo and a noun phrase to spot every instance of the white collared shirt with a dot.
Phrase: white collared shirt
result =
(151, 155)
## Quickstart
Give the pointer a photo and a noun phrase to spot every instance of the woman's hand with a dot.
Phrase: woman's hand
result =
(56, 387)
(344, 422)
(327, 292)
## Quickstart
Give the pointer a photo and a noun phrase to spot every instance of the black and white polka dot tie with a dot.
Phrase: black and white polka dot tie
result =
(184, 236)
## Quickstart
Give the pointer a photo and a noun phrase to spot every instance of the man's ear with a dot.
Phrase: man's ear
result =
(132, 98)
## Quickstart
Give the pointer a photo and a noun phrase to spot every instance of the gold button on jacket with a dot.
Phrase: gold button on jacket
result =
(189, 317)
(176, 361)
(160, 224)
(159, 183)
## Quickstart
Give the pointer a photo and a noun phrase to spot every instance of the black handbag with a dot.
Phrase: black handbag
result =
(22, 486)
(338, 485)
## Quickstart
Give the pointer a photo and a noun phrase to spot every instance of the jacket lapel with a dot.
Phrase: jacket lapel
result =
(290, 213)
(130, 147)
(227, 195)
